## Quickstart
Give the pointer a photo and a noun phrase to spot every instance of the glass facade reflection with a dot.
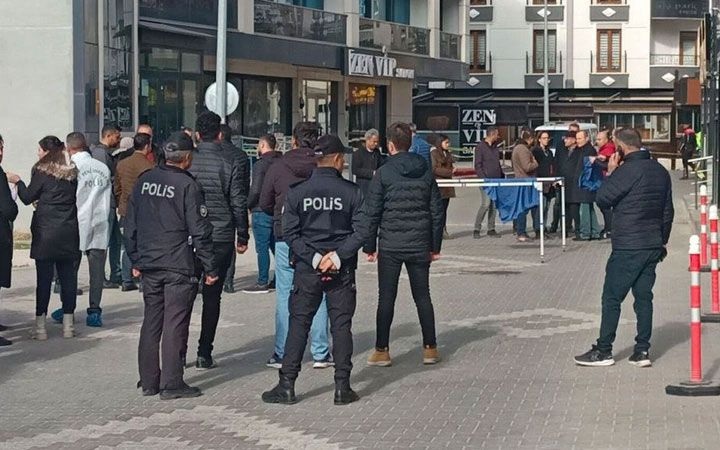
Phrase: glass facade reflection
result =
(265, 106)
(202, 12)
(117, 80)
(291, 21)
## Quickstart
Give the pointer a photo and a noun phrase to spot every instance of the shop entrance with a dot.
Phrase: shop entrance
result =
(367, 110)
(318, 104)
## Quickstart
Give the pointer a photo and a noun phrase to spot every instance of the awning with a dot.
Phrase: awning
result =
(167, 28)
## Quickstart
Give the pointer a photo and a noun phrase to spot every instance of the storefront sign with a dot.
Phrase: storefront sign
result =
(473, 125)
(691, 9)
(376, 66)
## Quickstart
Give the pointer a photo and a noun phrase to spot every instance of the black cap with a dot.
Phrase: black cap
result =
(329, 144)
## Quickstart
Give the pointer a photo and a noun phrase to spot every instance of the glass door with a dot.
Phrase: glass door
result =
(318, 104)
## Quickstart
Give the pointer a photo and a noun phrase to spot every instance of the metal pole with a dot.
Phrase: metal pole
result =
(136, 65)
(541, 208)
(220, 63)
(562, 215)
(546, 61)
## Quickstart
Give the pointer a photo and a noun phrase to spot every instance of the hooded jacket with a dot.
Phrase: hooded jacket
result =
(295, 166)
(93, 201)
(8, 213)
(54, 225)
(404, 207)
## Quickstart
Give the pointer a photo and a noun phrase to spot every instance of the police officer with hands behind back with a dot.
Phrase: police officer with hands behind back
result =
(167, 234)
(322, 222)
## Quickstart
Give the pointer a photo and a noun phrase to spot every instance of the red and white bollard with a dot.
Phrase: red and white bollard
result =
(703, 226)
(695, 386)
(714, 315)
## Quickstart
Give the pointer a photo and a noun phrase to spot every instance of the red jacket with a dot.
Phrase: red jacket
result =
(607, 151)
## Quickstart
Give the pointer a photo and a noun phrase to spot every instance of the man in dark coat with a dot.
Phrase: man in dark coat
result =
(589, 226)
(487, 165)
(8, 213)
(262, 222)
(405, 211)
(366, 160)
(218, 175)
(546, 169)
(639, 191)
(569, 162)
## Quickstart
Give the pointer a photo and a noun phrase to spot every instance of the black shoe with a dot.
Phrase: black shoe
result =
(595, 358)
(127, 287)
(229, 288)
(493, 233)
(640, 359)
(147, 392)
(579, 239)
(183, 392)
(257, 289)
(283, 393)
(345, 396)
(271, 285)
(476, 235)
(110, 285)
(4, 342)
(3, 327)
(204, 363)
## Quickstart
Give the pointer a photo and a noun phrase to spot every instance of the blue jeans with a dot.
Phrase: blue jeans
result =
(521, 222)
(320, 345)
(262, 225)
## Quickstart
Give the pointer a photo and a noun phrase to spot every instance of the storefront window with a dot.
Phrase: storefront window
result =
(117, 33)
(652, 127)
(367, 110)
(265, 106)
(318, 105)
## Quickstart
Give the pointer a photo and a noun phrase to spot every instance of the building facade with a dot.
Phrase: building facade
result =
(350, 65)
(611, 62)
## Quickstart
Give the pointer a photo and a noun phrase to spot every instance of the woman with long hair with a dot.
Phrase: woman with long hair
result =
(442, 167)
(54, 228)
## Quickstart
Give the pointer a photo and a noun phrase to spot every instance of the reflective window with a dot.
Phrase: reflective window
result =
(266, 104)
(203, 12)
(117, 34)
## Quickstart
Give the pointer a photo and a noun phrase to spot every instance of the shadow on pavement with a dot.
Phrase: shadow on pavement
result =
(663, 339)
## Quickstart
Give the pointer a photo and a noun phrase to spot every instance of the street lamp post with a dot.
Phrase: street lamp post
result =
(546, 61)
(220, 64)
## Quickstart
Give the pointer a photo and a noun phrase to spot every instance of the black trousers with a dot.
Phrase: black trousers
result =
(446, 204)
(67, 274)
(607, 219)
(628, 270)
(211, 298)
(305, 299)
(169, 301)
(418, 269)
(572, 217)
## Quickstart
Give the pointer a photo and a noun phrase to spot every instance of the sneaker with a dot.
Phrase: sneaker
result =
(324, 363)
(127, 287)
(493, 233)
(523, 238)
(476, 234)
(229, 288)
(204, 363)
(4, 342)
(640, 359)
(271, 285)
(94, 319)
(595, 358)
(275, 362)
(110, 285)
(380, 358)
(57, 315)
(184, 391)
(257, 289)
(430, 355)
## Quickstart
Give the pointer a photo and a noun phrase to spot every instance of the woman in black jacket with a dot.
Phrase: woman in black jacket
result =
(54, 228)
(8, 213)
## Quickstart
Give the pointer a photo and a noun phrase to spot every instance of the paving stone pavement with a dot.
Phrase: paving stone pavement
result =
(508, 328)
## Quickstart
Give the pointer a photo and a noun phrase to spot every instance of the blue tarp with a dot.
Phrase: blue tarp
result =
(511, 201)
(591, 177)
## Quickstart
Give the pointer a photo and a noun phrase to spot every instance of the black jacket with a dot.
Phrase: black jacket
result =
(570, 166)
(220, 178)
(54, 225)
(640, 195)
(8, 213)
(364, 165)
(295, 166)
(404, 207)
(546, 166)
(258, 175)
(321, 215)
(487, 161)
(166, 220)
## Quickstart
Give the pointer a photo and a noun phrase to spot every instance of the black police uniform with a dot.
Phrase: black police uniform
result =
(321, 215)
(167, 234)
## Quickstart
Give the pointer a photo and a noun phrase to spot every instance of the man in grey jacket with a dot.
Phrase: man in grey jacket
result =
(487, 165)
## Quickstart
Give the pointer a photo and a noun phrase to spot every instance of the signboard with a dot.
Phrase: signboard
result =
(364, 65)
(473, 125)
(690, 9)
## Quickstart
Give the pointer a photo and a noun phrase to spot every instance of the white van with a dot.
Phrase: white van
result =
(557, 132)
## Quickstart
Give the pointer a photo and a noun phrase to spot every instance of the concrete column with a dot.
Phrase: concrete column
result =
(464, 30)
(433, 16)
(246, 16)
(352, 10)
(399, 101)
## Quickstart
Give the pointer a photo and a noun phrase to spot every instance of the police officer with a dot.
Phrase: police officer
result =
(322, 223)
(167, 233)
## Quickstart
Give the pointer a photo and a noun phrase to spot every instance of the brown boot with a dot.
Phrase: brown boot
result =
(430, 355)
(380, 358)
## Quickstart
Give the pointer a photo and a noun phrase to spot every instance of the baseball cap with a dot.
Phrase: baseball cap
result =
(329, 144)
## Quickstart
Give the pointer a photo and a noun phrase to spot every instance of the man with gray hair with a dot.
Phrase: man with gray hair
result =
(366, 160)
(639, 191)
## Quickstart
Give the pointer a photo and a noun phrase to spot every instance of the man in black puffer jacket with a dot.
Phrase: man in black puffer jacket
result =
(404, 208)
(218, 175)
(639, 191)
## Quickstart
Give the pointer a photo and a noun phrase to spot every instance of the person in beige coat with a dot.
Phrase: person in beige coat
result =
(524, 166)
(442, 167)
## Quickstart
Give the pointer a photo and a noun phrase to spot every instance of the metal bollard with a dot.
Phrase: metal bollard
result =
(695, 386)
(714, 315)
(703, 226)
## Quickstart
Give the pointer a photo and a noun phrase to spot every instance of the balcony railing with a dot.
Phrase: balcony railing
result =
(674, 60)
(554, 66)
(620, 67)
(449, 45)
(395, 37)
(297, 22)
(482, 66)
(191, 11)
